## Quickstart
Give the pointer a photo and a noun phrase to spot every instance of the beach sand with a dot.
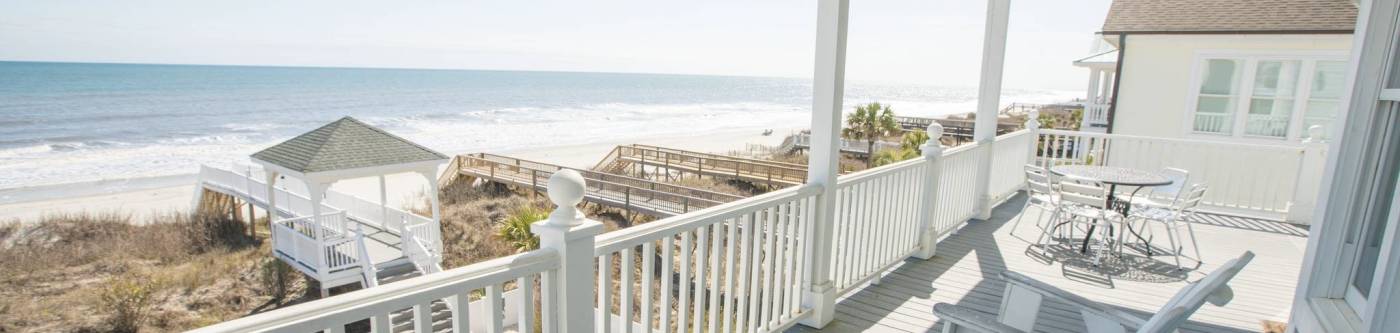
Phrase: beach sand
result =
(403, 189)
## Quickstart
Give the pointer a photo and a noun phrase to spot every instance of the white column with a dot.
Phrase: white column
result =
(933, 156)
(571, 235)
(437, 207)
(1033, 126)
(384, 204)
(828, 89)
(1106, 85)
(1092, 94)
(271, 196)
(989, 98)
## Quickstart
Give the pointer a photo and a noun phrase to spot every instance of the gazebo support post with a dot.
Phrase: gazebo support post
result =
(383, 203)
(316, 192)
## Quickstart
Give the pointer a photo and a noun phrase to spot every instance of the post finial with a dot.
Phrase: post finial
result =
(935, 130)
(1315, 133)
(1033, 119)
(566, 190)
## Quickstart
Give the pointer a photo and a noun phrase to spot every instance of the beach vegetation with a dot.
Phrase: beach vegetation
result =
(127, 300)
(890, 156)
(515, 229)
(870, 122)
(914, 140)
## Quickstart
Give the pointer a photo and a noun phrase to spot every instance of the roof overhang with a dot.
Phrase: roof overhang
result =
(326, 177)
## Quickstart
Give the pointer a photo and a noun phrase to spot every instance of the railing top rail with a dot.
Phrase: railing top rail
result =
(774, 164)
(616, 240)
(365, 303)
(876, 172)
(1289, 147)
(1012, 135)
(599, 177)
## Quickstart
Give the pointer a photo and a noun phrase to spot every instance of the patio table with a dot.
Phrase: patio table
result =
(1113, 177)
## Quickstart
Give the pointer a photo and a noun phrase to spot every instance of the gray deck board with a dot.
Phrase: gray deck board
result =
(966, 269)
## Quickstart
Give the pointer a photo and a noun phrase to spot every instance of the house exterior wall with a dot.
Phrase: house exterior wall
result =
(1159, 73)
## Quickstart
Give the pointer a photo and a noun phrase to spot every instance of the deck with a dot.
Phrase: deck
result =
(965, 272)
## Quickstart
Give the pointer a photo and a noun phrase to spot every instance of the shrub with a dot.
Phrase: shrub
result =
(207, 232)
(516, 227)
(276, 278)
(128, 302)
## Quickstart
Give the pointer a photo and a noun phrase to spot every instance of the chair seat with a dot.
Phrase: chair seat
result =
(1091, 212)
(1153, 213)
(1150, 202)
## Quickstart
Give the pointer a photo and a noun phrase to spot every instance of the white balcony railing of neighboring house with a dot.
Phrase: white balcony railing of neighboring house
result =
(1095, 115)
(804, 141)
(752, 264)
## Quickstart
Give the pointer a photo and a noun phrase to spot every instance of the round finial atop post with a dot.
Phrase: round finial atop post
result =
(934, 145)
(566, 190)
(1315, 133)
(1033, 120)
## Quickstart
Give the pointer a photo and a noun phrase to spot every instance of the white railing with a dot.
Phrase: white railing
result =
(316, 242)
(1095, 113)
(956, 181)
(876, 223)
(250, 184)
(1009, 156)
(476, 294)
(420, 248)
(1212, 123)
(737, 265)
(1245, 176)
(1266, 125)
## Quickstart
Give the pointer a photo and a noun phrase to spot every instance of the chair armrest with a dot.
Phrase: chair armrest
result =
(970, 319)
(1083, 304)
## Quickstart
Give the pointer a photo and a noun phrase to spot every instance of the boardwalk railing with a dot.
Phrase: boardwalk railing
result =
(644, 159)
(1248, 177)
(634, 194)
(1095, 114)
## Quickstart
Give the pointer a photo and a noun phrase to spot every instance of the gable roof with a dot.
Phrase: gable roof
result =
(345, 144)
(1224, 16)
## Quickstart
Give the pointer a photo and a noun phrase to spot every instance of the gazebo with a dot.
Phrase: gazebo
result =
(324, 236)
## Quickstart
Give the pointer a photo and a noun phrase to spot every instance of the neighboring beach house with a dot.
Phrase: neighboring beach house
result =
(1257, 71)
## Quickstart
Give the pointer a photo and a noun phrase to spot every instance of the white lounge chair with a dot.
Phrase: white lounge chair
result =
(1020, 305)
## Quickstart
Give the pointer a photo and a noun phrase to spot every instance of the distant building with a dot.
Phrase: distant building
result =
(1260, 71)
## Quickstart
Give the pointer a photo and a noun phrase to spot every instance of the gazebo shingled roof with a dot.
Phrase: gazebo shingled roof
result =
(345, 144)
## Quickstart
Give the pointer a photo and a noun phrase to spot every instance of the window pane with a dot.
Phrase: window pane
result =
(1329, 79)
(1268, 117)
(1324, 98)
(1220, 76)
(1395, 66)
(1214, 114)
(1367, 235)
(1276, 78)
(1271, 107)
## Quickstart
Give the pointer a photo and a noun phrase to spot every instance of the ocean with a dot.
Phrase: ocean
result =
(64, 125)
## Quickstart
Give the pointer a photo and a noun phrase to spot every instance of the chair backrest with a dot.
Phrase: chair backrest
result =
(1191, 199)
(1037, 180)
(1173, 190)
(1213, 288)
(1084, 192)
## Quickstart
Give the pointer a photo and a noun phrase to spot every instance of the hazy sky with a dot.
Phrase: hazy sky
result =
(935, 42)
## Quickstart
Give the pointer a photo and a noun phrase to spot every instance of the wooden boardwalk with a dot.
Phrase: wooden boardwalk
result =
(633, 194)
(965, 272)
(653, 161)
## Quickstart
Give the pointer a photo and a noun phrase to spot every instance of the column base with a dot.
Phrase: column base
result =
(822, 301)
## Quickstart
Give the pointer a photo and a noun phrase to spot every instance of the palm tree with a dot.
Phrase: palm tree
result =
(515, 230)
(870, 122)
(914, 140)
(889, 156)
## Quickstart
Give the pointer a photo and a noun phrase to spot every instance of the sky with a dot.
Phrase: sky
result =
(930, 42)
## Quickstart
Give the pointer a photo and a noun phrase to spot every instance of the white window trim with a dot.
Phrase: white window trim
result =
(1244, 93)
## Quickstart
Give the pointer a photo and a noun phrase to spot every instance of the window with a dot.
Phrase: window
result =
(1365, 237)
(1267, 97)
(1216, 102)
(1271, 106)
(1325, 95)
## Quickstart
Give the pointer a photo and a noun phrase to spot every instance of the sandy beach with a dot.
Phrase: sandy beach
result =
(403, 188)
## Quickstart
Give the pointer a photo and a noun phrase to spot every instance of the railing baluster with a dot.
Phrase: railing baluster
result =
(648, 274)
(605, 293)
(700, 273)
(624, 299)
